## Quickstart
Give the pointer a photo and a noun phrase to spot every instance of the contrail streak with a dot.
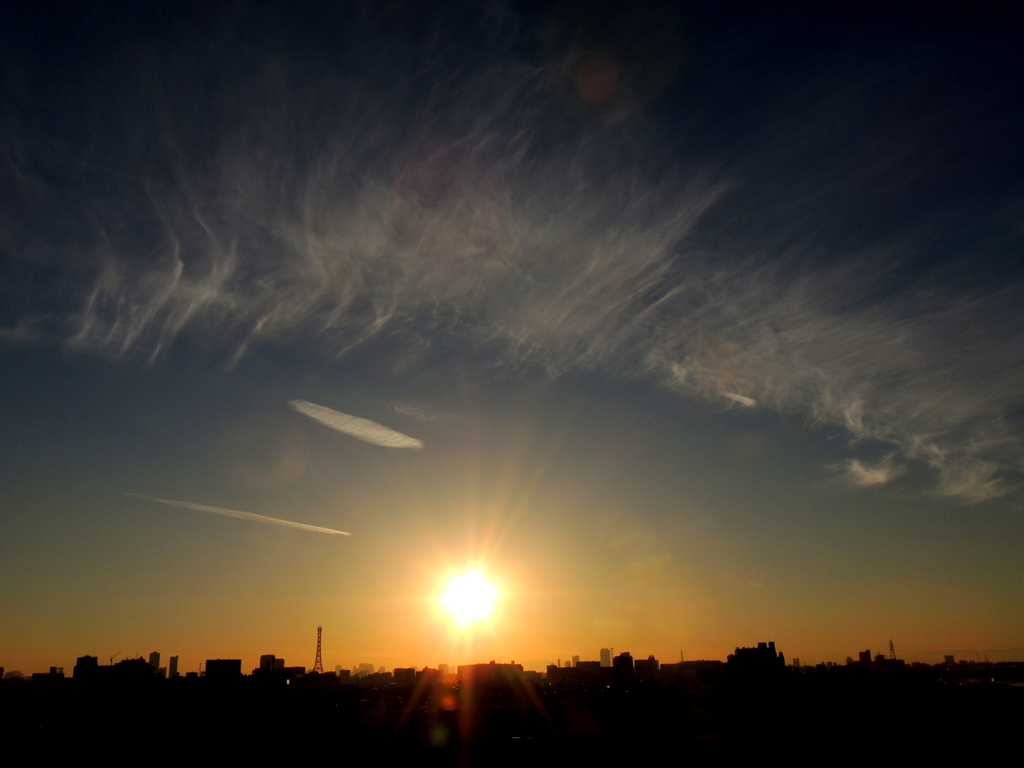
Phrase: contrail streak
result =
(361, 429)
(239, 514)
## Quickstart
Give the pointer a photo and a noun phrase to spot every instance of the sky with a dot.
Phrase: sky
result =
(691, 325)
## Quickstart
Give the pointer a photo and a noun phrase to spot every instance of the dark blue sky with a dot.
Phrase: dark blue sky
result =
(680, 300)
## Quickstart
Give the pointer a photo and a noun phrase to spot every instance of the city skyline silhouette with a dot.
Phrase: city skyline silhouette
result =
(603, 340)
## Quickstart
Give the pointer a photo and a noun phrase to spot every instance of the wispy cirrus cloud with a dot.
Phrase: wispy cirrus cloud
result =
(749, 402)
(526, 237)
(354, 426)
(866, 475)
(419, 412)
(239, 514)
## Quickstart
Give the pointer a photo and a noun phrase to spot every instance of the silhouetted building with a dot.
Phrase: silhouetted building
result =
(428, 676)
(689, 672)
(54, 677)
(223, 669)
(130, 671)
(489, 674)
(405, 676)
(154, 660)
(950, 660)
(583, 673)
(173, 669)
(623, 665)
(864, 657)
(314, 679)
(575, 660)
(763, 658)
(272, 666)
(86, 667)
(377, 680)
(623, 661)
(606, 657)
(646, 669)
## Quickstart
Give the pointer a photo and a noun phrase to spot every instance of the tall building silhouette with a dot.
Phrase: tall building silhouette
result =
(154, 660)
(173, 668)
(623, 665)
(606, 657)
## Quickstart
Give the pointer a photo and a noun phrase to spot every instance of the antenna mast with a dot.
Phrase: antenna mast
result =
(318, 665)
(892, 651)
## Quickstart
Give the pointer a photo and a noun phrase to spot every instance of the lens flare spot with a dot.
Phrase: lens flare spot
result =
(597, 79)
(439, 735)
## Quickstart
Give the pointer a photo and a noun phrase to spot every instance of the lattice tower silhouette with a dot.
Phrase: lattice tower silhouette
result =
(318, 665)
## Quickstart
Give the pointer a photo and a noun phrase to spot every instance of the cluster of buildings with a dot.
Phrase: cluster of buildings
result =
(762, 659)
(274, 669)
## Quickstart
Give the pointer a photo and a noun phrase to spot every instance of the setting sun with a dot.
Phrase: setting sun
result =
(469, 598)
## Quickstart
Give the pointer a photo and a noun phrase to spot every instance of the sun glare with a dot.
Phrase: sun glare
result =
(469, 598)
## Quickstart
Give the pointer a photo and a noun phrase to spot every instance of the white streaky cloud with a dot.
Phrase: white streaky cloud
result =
(749, 402)
(972, 481)
(239, 514)
(863, 474)
(19, 335)
(419, 412)
(597, 252)
(359, 428)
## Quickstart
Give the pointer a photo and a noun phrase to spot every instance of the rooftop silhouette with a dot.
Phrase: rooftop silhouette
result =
(495, 713)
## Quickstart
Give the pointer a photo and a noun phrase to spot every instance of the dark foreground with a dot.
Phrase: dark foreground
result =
(716, 717)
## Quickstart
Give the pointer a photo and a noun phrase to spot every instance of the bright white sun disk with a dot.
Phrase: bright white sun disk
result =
(469, 597)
